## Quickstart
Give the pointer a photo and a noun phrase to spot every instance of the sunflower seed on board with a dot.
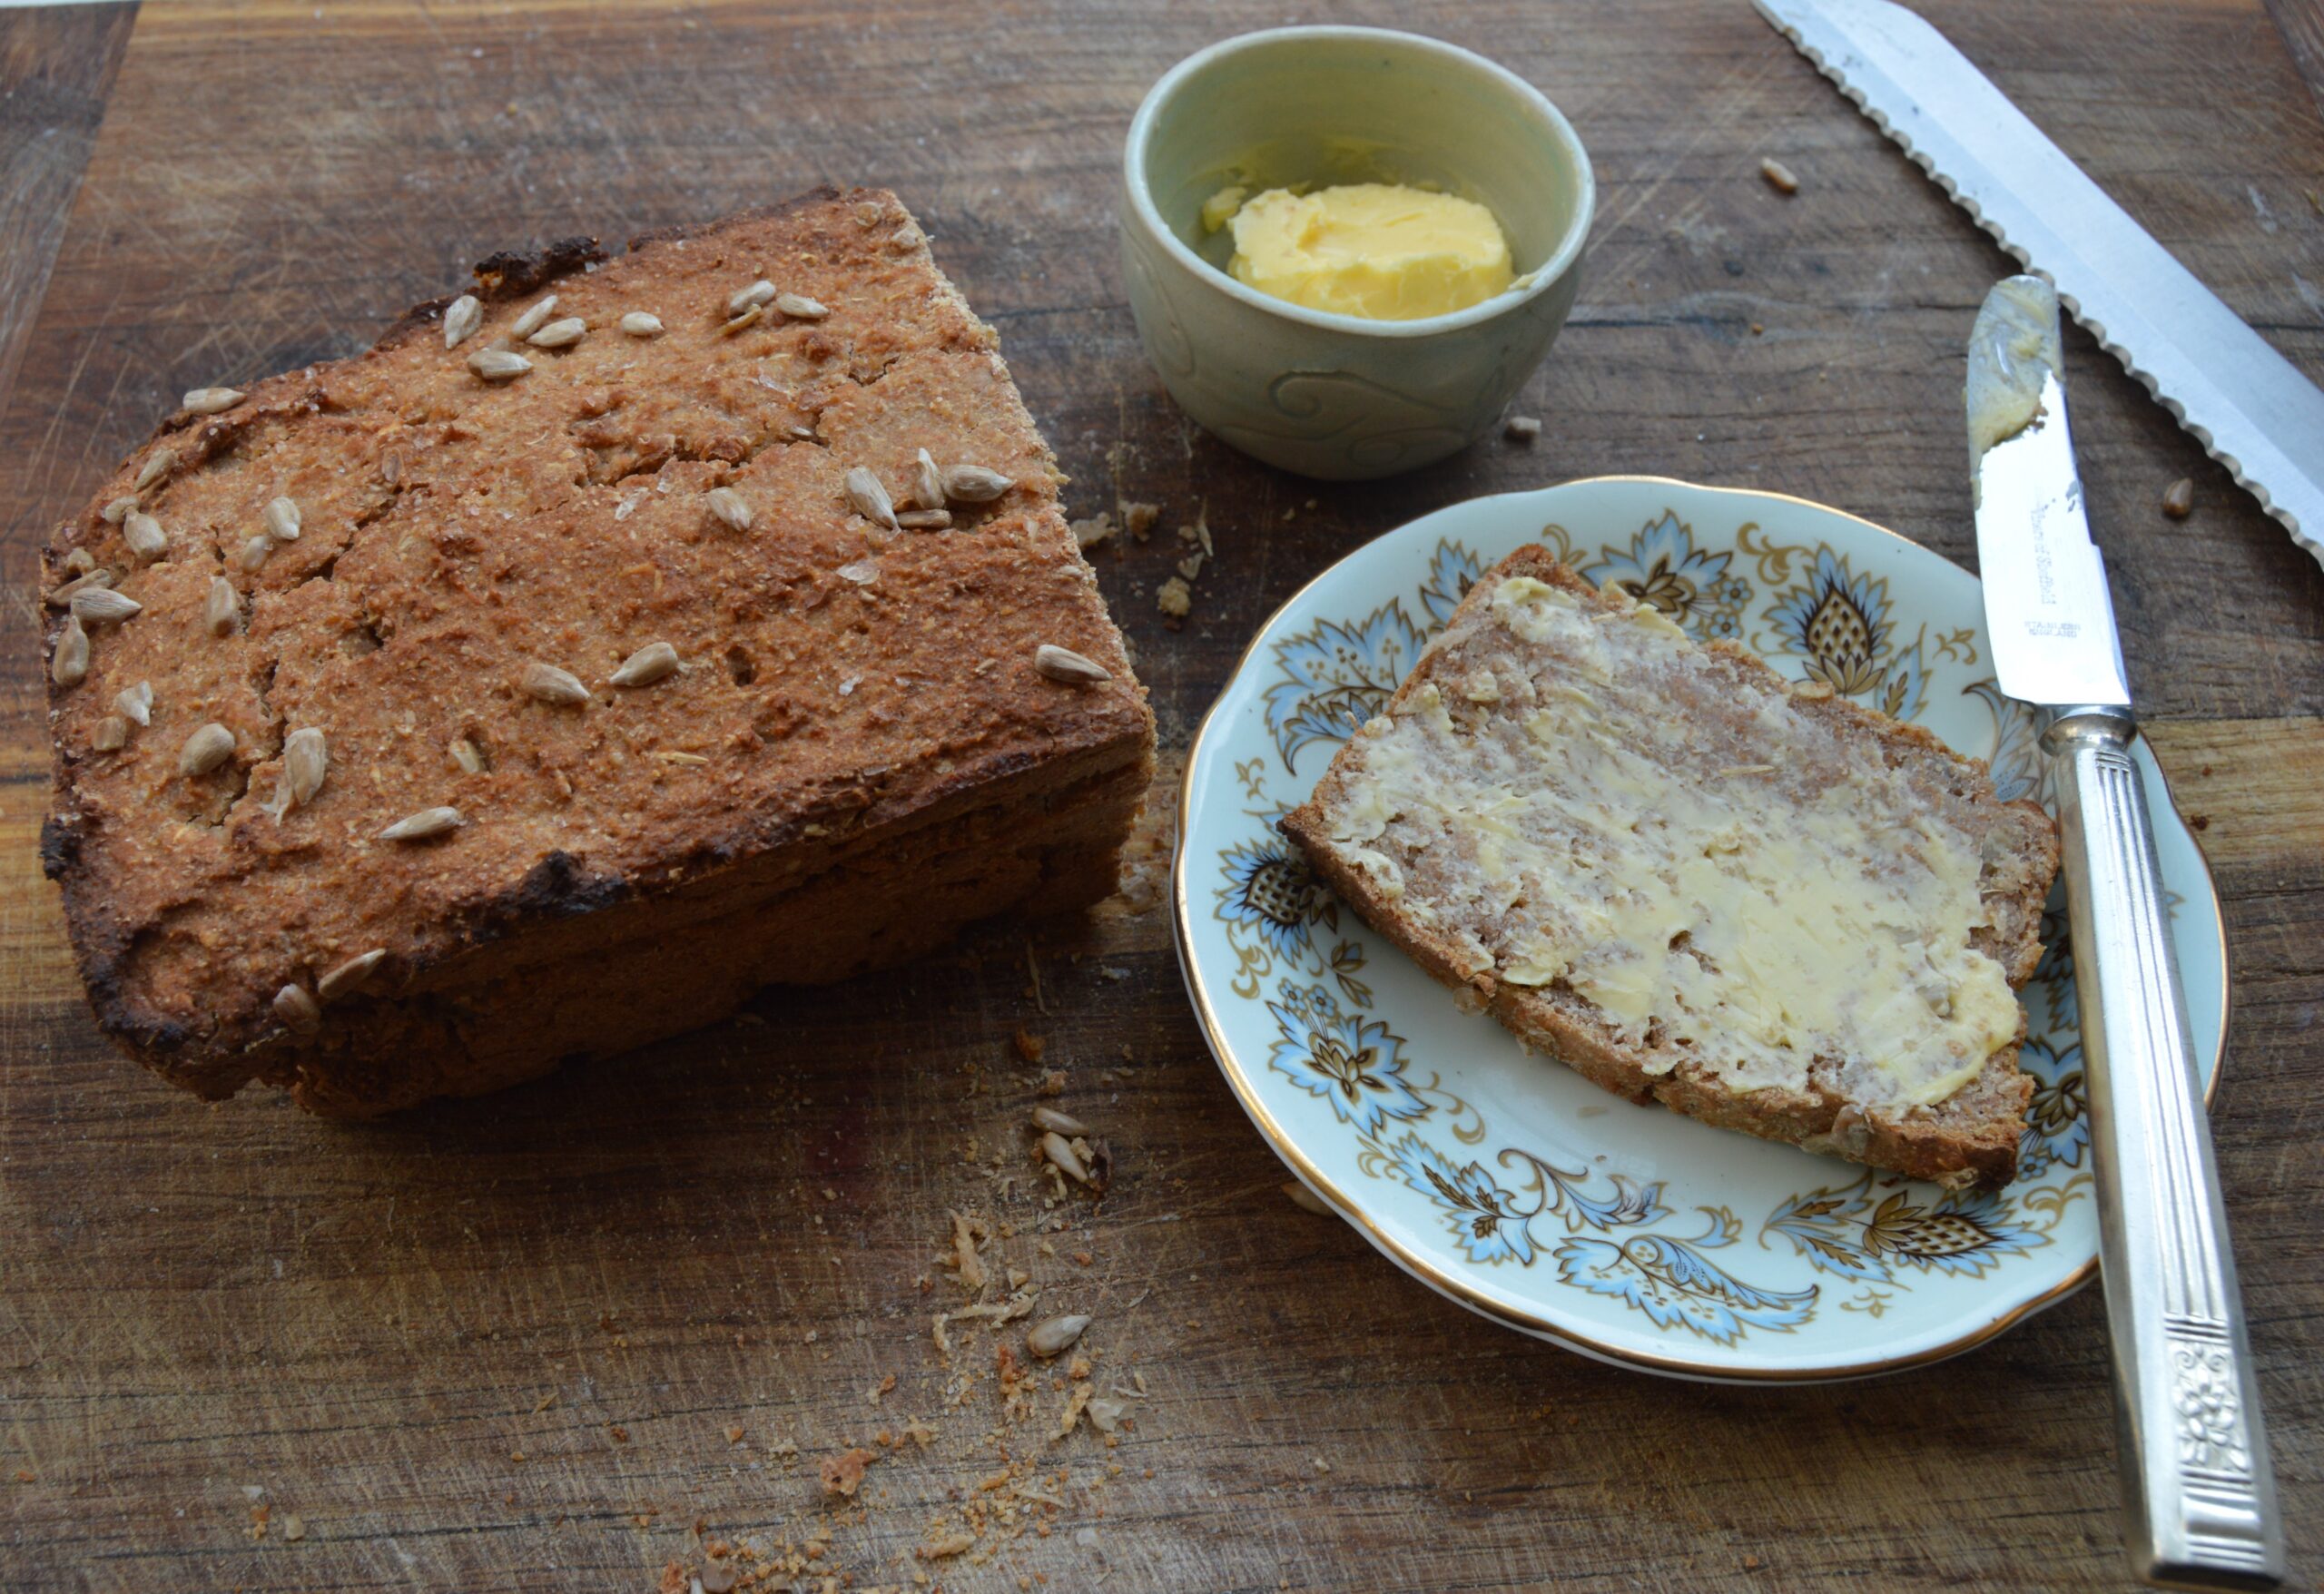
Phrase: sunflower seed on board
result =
(221, 611)
(283, 520)
(306, 763)
(1778, 176)
(499, 365)
(640, 323)
(561, 333)
(867, 498)
(1055, 1336)
(927, 482)
(1059, 1151)
(653, 661)
(732, 509)
(1049, 1118)
(924, 519)
(1062, 664)
(351, 974)
(547, 684)
(145, 536)
(69, 665)
(536, 316)
(116, 512)
(420, 826)
(749, 317)
(751, 298)
(205, 750)
(254, 552)
(101, 605)
(300, 1012)
(800, 308)
(135, 702)
(462, 317)
(973, 484)
(110, 735)
(157, 464)
(211, 401)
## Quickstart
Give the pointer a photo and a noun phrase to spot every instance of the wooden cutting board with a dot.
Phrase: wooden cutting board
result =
(567, 1337)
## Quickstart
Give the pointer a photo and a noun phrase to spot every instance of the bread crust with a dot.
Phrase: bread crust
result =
(853, 700)
(1971, 1137)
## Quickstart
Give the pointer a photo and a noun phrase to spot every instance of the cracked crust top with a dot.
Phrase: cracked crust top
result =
(834, 675)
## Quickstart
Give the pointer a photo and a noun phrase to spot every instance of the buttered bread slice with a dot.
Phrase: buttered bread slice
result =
(1757, 904)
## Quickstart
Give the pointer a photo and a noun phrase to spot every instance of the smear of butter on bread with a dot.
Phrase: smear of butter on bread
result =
(1760, 920)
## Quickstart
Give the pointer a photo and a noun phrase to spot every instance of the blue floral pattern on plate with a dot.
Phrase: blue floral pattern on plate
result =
(1507, 1182)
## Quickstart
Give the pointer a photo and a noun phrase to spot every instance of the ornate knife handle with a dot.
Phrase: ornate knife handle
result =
(2200, 1494)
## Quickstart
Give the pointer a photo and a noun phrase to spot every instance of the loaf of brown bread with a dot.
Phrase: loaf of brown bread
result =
(1759, 905)
(597, 648)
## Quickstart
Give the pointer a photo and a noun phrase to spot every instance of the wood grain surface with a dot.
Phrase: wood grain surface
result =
(567, 1337)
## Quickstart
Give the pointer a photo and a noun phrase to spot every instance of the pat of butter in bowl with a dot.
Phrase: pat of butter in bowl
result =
(1380, 251)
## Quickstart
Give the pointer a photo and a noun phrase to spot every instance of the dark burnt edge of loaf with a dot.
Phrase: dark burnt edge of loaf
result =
(510, 274)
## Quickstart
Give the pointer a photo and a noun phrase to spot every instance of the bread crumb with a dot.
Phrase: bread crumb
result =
(1522, 428)
(1029, 1046)
(1139, 519)
(294, 1528)
(1175, 598)
(1090, 532)
(843, 1474)
(734, 1433)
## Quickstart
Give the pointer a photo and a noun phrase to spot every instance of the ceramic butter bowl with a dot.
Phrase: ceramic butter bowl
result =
(1327, 394)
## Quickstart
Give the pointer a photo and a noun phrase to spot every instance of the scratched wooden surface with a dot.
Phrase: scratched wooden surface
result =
(563, 1338)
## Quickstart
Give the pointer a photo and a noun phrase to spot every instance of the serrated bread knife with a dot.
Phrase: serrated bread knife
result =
(2201, 1496)
(2249, 407)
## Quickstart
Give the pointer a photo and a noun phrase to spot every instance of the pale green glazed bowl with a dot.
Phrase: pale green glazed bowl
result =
(1327, 394)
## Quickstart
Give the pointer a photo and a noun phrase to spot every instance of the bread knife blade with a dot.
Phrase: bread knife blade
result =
(2249, 407)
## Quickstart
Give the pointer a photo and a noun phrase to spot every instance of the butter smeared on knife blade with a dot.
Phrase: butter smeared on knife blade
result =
(2249, 407)
(2047, 610)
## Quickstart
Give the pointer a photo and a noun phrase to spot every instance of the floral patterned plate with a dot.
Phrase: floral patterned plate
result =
(1518, 1188)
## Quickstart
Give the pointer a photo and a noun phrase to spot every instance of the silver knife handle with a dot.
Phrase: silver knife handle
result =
(2200, 1494)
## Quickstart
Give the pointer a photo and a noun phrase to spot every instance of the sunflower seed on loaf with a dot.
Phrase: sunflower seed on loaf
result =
(462, 317)
(135, 702)
(100, 605)
(547, 684)
(208, 746)
(212, 400)
(420, 826)
(536, 316)
(351, 974)
(867, 498)
(499, 365)
(283, 520)
(1062, 664)
(653, 661)
(145, 536)
(973, 484)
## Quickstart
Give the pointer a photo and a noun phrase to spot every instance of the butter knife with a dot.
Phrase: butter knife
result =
(2198, 1488)
(2249, 407)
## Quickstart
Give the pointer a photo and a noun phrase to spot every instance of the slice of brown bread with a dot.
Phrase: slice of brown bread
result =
(1757, 904)
(855, 752)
